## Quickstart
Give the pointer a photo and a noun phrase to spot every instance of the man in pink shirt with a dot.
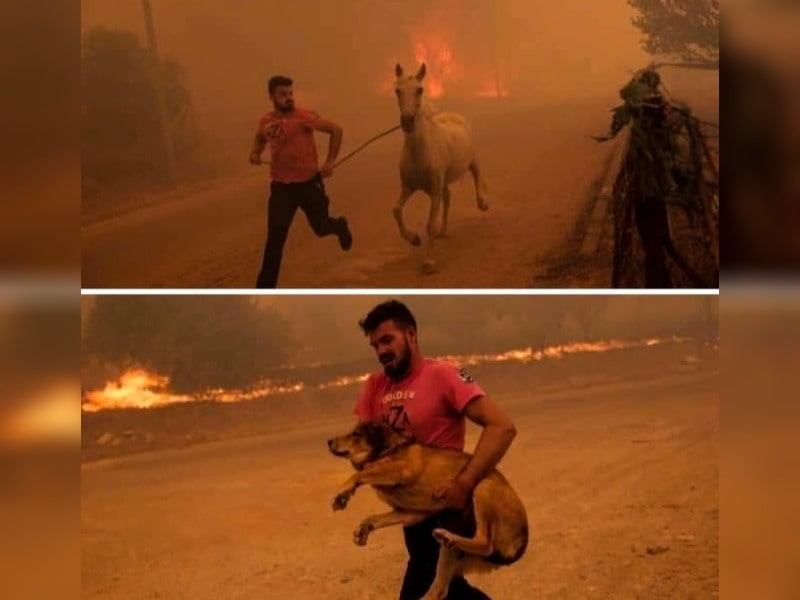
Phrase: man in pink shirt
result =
(296, 175)
(430, 400)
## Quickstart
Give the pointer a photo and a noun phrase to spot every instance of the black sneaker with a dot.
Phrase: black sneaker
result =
(345, 237)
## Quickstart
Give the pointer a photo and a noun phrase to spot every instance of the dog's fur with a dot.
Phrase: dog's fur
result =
(405, 475)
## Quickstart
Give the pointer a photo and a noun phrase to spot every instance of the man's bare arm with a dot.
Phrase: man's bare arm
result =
(496, 437)
(335, 143)
(259, 143)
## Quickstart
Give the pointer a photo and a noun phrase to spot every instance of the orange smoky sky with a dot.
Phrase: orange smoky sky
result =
(342, 53)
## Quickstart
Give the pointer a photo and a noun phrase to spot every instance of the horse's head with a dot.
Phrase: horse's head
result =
(409, 90)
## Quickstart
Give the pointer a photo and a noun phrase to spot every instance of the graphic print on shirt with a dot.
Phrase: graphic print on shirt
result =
(398, 396)
(465, 376)
(395, 415)
(274, 132)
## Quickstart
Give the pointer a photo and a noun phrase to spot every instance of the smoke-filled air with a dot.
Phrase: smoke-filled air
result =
(535, 81)
(230, 348)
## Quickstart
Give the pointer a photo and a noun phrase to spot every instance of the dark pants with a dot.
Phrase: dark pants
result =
(284, 200)
(423, 553)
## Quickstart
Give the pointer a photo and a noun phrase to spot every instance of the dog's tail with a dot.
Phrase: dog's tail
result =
(480, 564)
(500, 559)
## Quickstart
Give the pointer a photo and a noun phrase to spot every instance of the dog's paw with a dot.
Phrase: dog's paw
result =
(361, 534)
(444, 537)
(341, 500)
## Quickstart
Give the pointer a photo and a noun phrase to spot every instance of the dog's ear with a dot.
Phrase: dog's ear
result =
(377, 436)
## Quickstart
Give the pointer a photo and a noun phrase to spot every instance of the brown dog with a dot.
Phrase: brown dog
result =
(406, 474)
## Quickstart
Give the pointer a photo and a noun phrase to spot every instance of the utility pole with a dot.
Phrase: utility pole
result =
(502, 32)
(159, 83)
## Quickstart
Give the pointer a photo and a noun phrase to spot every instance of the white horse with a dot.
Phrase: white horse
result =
(437, 151)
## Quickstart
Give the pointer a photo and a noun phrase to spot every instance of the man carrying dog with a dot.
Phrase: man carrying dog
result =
(296, 175)
(431, 401)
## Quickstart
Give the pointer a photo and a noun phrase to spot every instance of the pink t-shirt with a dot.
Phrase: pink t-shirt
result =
(429, 403)
(291, 142)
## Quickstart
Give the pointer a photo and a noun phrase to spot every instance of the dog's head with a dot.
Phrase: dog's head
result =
(366, 442)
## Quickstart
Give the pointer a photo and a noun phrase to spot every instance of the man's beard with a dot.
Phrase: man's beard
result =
(286, 107)
(394, 366)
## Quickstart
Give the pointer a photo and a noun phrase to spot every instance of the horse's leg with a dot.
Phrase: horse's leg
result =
(411, 237)
(429, 265)
(480, 185)
(445, 211)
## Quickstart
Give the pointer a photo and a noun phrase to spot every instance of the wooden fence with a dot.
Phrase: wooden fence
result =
(662, 188)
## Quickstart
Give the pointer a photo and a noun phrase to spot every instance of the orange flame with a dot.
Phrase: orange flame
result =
(139, 389)
(343, 381)
(440, 39)
(441, 67)
(526, 355)
(263, 390)
(431, 40)
(136, 388)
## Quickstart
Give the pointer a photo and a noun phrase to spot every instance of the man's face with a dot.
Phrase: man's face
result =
(283, 98)
(393, 346)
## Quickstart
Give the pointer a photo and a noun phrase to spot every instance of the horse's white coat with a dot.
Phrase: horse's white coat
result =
(438, 150)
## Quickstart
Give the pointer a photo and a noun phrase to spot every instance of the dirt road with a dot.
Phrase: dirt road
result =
(540, 165)
(606, 472)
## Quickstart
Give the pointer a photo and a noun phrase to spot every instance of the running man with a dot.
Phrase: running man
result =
(296, 175)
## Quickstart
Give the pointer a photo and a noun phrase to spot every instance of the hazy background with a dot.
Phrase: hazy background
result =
(234, 341)
(342, 52)
(342, 55)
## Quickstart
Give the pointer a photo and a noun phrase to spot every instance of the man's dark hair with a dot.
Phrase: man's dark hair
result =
(391, 310)
(278, 81)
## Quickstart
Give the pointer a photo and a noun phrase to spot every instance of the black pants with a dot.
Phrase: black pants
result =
(284, 200)
(423, 553)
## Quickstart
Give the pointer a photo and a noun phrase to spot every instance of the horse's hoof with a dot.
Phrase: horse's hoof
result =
(429, 267)
(483, 206)
(416, 240)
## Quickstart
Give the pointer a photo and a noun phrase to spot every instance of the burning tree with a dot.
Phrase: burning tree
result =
(466, 46)
(688, 29)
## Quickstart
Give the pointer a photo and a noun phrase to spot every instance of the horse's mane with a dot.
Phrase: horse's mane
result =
(430, 108)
